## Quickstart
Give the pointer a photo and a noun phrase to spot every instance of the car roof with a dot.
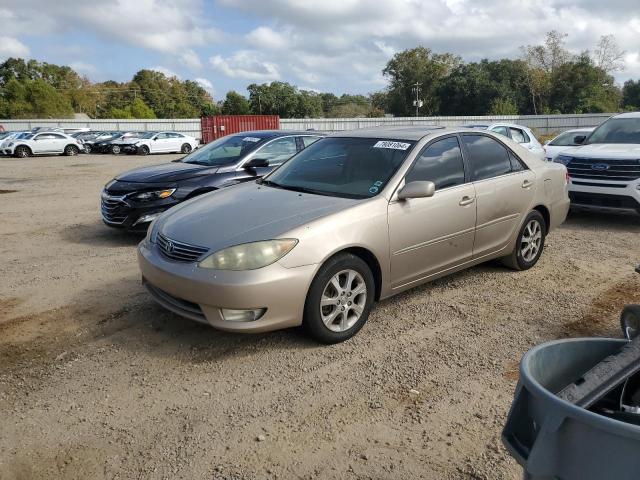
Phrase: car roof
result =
(628, 115)
(402, 132)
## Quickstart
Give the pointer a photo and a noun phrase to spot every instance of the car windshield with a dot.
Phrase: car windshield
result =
(616, 130)
(225, 150)
(144, 135)
(566, 139)
(342, 167)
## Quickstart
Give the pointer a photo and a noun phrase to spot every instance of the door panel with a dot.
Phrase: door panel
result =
(502, 202)
(429, 235)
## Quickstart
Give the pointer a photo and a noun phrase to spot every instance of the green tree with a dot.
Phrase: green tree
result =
(631, 95)
(275, 98)
(235, 104)
(417, 65)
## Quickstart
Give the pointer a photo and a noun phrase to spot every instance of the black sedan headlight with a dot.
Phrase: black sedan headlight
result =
(563, 159)
(153, 195)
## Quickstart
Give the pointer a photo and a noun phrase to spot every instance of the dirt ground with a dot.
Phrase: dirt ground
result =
(96, 381)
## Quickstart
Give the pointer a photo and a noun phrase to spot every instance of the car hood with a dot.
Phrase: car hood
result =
(245, 213)
(165, 172)
(605, 150)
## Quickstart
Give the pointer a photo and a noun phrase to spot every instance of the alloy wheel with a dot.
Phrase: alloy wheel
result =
(343, 300)
(531, 240)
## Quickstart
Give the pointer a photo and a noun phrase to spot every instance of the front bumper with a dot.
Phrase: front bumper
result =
(120, 212)
(605, 195)
(199, 294)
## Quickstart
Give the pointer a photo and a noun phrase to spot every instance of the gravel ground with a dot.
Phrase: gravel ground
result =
(96, 381)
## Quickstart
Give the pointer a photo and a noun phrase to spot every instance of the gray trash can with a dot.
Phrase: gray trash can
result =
(553, 439)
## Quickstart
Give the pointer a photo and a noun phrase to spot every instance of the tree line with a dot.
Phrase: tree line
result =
(545, 79)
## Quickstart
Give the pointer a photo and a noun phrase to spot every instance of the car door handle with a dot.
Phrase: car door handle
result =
(466, 201)
(526, 184)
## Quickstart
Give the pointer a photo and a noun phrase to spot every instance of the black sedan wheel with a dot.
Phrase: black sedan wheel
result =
(87, 148)
(115, 149)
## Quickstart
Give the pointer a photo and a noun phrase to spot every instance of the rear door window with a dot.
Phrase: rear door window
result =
(488, 157)
(519, 135)
(278, 151)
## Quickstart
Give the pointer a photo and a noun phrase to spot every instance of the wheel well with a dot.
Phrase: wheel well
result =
(71, 145)
(23, 146)
(544, 211)
(371, 260)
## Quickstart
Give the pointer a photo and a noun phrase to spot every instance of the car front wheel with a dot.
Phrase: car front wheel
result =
(340, 299)
(143, 150)
(115, 149)
(529, 244)
(22, 152)
(186, 148)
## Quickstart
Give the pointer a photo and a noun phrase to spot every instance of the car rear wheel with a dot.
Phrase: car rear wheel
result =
(71, 150)
(529, 244)
(340, 299)
(143, 150)
(115, 149)
(186, 148)
(22, 152)
(630, 321)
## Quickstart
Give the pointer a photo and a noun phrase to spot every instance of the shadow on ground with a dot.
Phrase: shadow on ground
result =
(99, 235)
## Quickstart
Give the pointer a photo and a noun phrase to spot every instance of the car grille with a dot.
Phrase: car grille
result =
(114, 210)
(178, 305)
(603, 169)
(603, 200)
(178, 251)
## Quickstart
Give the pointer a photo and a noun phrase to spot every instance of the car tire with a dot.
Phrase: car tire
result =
(346, 305)
(143, 150)
(630, 321)
(71, 150)
(186, 148)
(115, 149)
(529, 244)
(87, 148)
(22, 152)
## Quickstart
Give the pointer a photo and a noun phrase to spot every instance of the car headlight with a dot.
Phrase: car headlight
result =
(10, 145)
(155, 195)
(563, 159)
(249, 256)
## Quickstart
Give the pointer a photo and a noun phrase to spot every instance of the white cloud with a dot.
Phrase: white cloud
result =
(246, 64)
(167, 72)
(83, 67)
(190, 59)
(265, 37)
(12, 47)
(206, 84)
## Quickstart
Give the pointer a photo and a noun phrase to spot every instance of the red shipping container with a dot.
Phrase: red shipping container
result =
(221, 125)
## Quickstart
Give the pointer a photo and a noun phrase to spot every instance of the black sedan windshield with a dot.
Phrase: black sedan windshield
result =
(224, 151)
(342, 167)
(617, 130)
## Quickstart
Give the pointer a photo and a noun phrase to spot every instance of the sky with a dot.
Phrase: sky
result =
(338, 46)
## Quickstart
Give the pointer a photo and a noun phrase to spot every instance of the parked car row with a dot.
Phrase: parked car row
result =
(287, 228)
(45, 141)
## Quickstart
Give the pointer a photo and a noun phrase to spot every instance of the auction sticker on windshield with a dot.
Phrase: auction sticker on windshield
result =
(250, 139)
(392, 145)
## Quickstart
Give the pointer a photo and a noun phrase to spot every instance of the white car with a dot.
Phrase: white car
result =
(45, 143)
(159, 142)
(605, 168)
(8, 137)
(563, 141)
(520, 134)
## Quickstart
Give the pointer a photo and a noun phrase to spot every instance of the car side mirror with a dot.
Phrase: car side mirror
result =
(417, 190)
(579, 139)
(257, 163)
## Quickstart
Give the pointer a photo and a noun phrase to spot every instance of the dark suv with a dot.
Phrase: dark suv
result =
(135, 198)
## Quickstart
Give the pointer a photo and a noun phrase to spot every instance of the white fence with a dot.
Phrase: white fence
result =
(543, 124)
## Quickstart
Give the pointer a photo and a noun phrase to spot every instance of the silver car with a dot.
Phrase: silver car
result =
(356, 217)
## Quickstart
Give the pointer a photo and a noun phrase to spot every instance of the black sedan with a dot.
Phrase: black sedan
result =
(135, 198)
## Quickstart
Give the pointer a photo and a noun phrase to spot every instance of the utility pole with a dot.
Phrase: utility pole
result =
(417, 102)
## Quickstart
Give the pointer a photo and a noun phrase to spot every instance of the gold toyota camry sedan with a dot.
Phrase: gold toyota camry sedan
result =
(356, 217)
